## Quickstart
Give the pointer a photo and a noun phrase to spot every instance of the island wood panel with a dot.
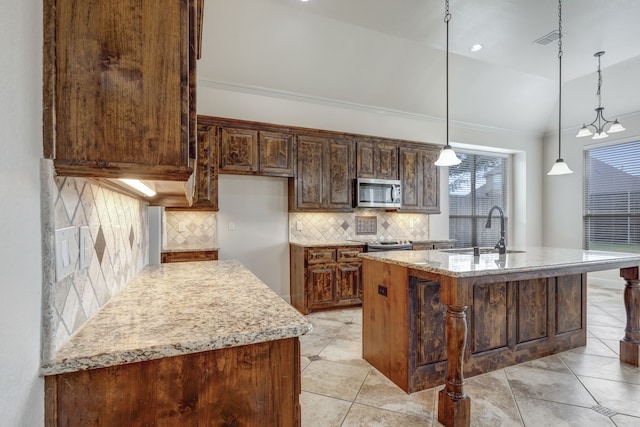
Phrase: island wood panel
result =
(509, 322)
(386, 347)
(252, 385)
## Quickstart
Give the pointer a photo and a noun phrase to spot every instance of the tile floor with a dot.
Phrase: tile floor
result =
(587, 386)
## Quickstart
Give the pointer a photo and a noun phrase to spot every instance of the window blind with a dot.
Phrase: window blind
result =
(612, 197)
(475, 186)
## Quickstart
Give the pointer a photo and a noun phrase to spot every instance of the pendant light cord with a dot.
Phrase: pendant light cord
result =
(559, 78)
(447, 18)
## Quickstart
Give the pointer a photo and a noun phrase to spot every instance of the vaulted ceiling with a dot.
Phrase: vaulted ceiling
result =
(390, 55)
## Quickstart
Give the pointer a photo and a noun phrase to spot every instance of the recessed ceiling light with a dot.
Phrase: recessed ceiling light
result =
(476, 47)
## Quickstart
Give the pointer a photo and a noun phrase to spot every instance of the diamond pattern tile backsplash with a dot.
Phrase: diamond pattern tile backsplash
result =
(189, 229)
(342, 226)
(119, 250)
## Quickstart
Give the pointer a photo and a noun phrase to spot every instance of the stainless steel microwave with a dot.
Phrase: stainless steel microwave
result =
(377, 193)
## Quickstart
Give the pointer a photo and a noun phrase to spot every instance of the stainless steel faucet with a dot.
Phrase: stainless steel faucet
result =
(500, 246)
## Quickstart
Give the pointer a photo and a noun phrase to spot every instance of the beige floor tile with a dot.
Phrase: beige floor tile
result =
(550, 384)
(596, 347)
(601, 367)
(492, 403)
(345, 351)
(367, 416)
(623, 398)
(604, 320)
(304, 362)
(614, 345)
(543, 413)
(322, 411)
(625, 421)
(606, 332)
(325, 326)
(313, 343)
(339, 315)
(382, 393)
(333, 379)
(352, 331)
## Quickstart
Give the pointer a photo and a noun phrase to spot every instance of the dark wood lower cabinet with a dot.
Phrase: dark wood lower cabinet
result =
(188, 256)
(325, 277)
(253, 385)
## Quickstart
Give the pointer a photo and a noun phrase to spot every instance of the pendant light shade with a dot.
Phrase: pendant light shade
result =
(560, 167)
(447, 156)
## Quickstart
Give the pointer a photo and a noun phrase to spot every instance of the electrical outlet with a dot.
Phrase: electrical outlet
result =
(299, 225)
(182, 227)
(232, 226)
(411, 224)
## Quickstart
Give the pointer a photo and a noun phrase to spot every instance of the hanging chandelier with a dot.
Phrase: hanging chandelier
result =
(598, 131)
(560, 167)
(447, 156)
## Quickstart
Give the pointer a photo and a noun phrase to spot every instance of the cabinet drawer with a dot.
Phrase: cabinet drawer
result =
(349, 254)
(321, 255)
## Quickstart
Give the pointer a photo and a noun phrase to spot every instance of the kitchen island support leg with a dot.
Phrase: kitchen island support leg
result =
(630, 344)
(454, 406)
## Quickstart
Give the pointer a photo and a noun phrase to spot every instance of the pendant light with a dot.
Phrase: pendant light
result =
(599, 132)
(559, 167)
(447, 156)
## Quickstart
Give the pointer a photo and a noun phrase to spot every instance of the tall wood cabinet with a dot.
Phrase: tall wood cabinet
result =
(325, 171)
(324, 277)
(420, 179)
(117, 85)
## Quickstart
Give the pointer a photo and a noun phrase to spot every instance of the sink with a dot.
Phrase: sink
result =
(469, 251)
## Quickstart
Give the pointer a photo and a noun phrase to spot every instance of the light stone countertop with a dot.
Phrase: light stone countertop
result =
(455, 264)
(180, 308)
(187, 248)
(313, 243)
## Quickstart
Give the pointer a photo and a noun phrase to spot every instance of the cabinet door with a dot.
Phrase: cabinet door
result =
(376, 159)
(387, 161)
(338, 175)
(116, 88)
(276, 152)
(410, 178)
(321, 285)
(238, 150)
(206, 172)
(430, 191)
(308, 182)
(420, 179)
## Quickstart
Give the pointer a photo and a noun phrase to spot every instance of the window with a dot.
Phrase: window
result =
(475, 186)
(612, 198)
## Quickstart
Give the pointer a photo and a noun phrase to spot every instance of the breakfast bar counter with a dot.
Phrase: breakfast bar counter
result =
(432, 317)
(182, 344)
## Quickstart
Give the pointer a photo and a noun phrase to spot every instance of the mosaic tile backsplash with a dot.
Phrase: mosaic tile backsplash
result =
(118, 250)
(342, 226)
(186, 229)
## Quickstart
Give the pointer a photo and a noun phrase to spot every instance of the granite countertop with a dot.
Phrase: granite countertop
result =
(455, 264)
(180, 308)
(311, 243)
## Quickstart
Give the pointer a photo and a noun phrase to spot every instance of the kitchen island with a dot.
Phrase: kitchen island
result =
(432, 317)
(186, 344)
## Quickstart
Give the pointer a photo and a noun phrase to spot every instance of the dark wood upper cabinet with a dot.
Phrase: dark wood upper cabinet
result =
(238, 150)
(119, 87)
(419, 178)
(325, 172)
(276, 153)
(376, 159)
(206, 171)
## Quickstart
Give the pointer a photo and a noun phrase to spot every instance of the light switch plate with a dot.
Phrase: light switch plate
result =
(67, 252)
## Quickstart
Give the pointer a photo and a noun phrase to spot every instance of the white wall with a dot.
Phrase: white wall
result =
(257, 206)
(21, 390)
